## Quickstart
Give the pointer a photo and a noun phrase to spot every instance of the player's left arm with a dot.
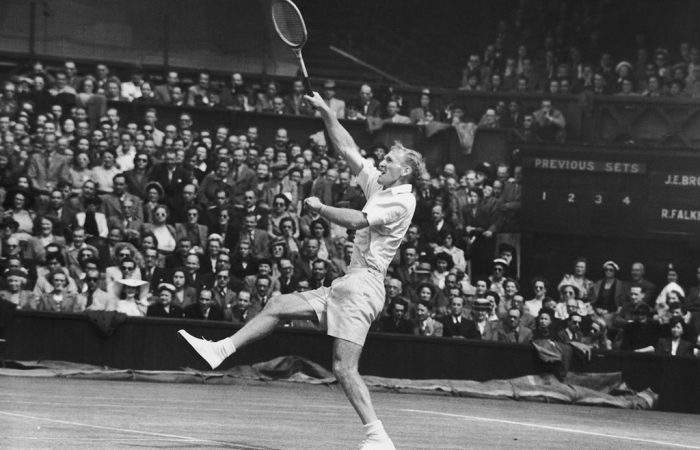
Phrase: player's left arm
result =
(345, 217)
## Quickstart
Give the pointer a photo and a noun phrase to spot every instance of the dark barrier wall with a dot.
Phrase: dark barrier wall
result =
(151, 344)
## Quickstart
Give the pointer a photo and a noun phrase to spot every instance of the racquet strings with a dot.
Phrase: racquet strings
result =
(289, 23)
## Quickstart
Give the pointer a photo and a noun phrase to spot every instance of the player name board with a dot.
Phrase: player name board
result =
(606, 191)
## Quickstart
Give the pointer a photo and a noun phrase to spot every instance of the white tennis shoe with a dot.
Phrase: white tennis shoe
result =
(212, 352)
(377, 442)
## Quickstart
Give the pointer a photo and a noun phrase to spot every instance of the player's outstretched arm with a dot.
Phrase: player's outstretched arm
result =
(342, 141)
(345, 217)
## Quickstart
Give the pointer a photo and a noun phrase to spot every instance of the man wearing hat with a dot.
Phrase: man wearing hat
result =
(334, 104)
(481, 311)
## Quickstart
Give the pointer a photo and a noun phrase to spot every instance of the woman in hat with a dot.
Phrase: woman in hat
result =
(672, 286)
(578, 278)
(153, 198)
(673, 295)
(163, 306)
(130, 301)
(609, 293)
(17, 206)
(16, 292)
(60, 300)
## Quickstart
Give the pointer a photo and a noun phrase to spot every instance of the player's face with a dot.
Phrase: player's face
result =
(391, 169)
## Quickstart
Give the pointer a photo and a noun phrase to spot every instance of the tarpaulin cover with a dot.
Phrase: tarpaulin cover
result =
(605, 389)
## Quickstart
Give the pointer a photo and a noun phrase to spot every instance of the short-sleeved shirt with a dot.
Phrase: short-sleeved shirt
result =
(389, 213)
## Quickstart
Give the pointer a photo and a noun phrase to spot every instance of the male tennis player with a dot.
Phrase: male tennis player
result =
(348, 307)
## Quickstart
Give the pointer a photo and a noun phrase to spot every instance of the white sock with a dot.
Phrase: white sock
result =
(375, 428)
(227, 346)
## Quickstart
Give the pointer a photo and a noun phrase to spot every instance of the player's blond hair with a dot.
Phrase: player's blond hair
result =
(412, 159)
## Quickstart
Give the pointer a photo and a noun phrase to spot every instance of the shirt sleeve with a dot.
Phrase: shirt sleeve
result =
(367, 178)
(385, 214)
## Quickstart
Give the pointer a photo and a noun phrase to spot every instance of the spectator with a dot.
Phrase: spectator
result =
(59, 299)
(454, 325)
(550, 124)
(488, 330)
(368, 105)
(163, 306)
(675, 345)
(426, 325)
(512, 331)
(16, 292)
(396, 322)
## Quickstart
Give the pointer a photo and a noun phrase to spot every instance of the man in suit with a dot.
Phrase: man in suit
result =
(205, 308)
(162, 91)
(191, 229)
(112, 203)
(151, 273)
(259, 240)
(55, 208)
(434, 233)
(194, 276)
(572, 332)
(250, 206)
(513, 332)
(288, 282)
(481, 311)
(369, 106)
(224, 296)
(244, 178)
(171, 177)
(130, 225)
(455, 325)
(425, 324)
(345, 196)
(397, 322)
(334, 104)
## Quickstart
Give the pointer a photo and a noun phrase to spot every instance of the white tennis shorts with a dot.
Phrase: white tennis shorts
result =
(348, 307)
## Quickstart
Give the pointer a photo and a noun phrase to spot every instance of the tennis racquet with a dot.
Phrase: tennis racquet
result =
(291, 29)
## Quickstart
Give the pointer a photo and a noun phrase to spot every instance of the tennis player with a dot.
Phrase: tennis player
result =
(348, 307)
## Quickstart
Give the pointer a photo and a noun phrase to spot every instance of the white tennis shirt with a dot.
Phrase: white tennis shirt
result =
(389, 213)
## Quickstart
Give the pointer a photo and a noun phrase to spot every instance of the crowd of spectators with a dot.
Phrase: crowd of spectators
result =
(557, 49)
(172, 220)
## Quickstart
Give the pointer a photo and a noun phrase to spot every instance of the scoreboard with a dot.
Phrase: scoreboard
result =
(610, 191)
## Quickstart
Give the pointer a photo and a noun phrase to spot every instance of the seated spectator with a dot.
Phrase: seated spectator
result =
(205, 308)
(481, 311)
(184, 295)
(17, 204)
(642, 334)
(512, 331)
(675, 345)
(544, 325)
(425, 324)
(608, 294)
(59, 299)
(597, 336)
(455, 325)
(239, 312)
(396, 321)
(95, 298)
(54, 262)
(131, 302)
(368, 105)
(163, 306)
(540, 287)
(572, 332)
(16, 291)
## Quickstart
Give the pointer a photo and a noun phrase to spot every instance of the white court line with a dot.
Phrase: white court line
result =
(120, 430)
(551, 428)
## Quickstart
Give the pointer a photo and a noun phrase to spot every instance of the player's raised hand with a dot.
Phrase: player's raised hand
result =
(313, 203)
(316, 100)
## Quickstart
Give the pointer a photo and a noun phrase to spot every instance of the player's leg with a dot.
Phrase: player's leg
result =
(346, 359)
(283, 307)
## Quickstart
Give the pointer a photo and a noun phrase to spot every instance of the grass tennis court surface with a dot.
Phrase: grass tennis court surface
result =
(65, 413)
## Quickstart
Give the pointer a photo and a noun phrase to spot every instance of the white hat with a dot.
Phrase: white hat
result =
(612, 264)
(132, 282)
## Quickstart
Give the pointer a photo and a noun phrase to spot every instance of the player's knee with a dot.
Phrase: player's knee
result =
(343, 370)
